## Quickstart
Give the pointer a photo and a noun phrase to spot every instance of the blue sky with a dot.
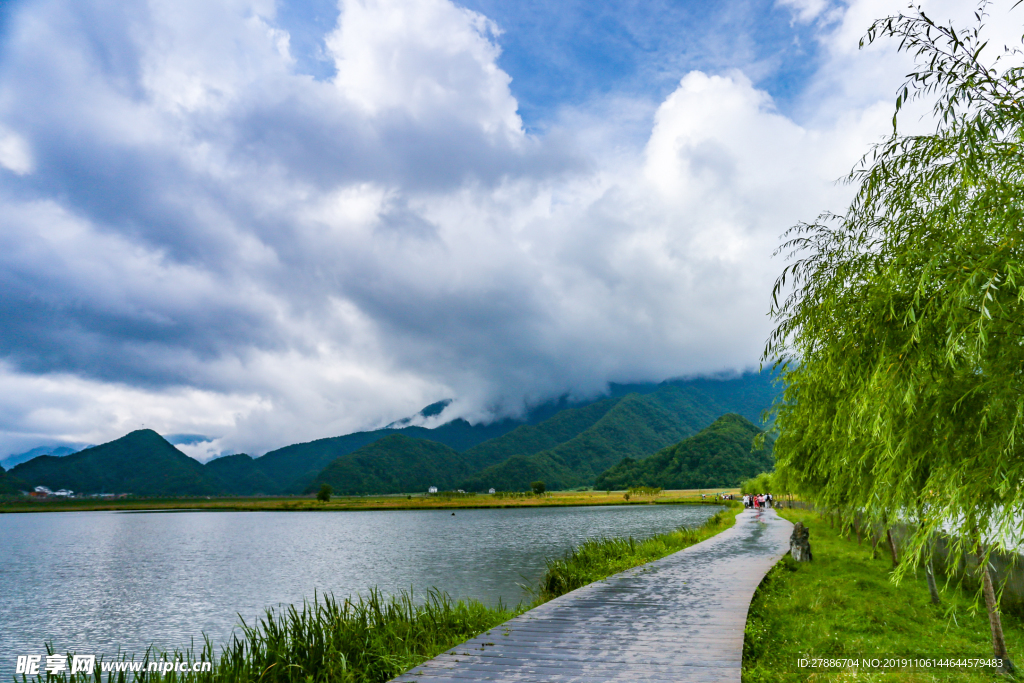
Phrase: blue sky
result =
(568, 53)
(271, 222)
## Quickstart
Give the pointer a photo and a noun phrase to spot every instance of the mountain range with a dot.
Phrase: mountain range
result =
(563, 443)
(17, 458)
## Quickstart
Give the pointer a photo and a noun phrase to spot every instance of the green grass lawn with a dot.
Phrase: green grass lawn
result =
(843, 604)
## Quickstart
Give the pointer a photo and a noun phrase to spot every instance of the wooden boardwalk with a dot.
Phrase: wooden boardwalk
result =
(679, 618)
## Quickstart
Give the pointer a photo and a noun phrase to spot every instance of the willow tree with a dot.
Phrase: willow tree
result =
(901, 340)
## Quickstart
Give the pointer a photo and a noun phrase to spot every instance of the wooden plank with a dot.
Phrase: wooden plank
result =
(680, 618)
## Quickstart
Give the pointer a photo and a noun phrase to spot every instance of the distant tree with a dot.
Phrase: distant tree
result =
(324, 495)
(538, 487)
(901, 342)
(762, 483)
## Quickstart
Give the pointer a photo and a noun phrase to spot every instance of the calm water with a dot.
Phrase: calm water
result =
(96, 581)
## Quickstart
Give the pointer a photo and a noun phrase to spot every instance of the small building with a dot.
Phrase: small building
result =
(490, 491)
(432, 489)
(64, 493)
(42, 491)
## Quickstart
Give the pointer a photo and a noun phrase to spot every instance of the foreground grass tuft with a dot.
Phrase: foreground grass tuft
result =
(366, 640)
(843, 604)
(370, 639)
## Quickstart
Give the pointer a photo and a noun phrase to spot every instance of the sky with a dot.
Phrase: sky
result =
(269, 222)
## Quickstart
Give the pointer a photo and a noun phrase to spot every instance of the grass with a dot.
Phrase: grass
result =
(843, 604)
(371, 639)
(392, 502)
(374, 639)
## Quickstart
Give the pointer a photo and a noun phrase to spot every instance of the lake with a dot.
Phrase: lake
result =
(94, 582)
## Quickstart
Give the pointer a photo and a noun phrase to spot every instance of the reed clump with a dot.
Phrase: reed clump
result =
(364, 640)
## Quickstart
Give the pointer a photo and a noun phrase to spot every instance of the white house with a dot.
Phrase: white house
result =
(432, 489)
(490, 491)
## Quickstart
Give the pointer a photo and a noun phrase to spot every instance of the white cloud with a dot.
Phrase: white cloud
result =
(15, 154)
(427, 59)
(215, 243)
(69, 408)
(805, 10)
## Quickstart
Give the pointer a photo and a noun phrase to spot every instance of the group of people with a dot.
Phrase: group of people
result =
(758, 501)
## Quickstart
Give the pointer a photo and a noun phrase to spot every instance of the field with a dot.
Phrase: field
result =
(843, 605)
(393, 502)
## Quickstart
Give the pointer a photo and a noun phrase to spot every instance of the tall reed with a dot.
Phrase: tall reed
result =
(366, 640)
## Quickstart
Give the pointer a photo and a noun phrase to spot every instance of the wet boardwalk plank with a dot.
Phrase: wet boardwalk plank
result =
(677, 619)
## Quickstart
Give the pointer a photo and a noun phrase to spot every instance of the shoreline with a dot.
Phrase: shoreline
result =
(375, 503)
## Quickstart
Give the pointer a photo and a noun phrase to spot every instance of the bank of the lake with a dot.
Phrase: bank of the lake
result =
(842, 604)
(410, 501)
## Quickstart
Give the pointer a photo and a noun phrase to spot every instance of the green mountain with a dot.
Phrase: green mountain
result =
(567, 449)
(141, 462)
(635, 425)
(11, 485)
(292, 468)
(720, 455)
(238, 475)
(529, 439)
(426, 464)
(394, 464)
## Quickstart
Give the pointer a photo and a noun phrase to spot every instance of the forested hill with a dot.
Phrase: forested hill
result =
(141, 462)
(721, 455)
(9, 484)
(636, 426)
(394, 464)
(444, 467)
